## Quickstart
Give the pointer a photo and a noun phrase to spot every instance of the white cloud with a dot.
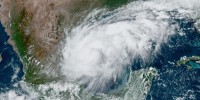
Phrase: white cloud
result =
(99, 49)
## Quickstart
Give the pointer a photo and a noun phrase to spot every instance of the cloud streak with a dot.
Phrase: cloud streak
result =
(99, 49)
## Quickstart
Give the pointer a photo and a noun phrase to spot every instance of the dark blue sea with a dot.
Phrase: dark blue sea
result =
(172, 82)
(11, 68)
(177, 82)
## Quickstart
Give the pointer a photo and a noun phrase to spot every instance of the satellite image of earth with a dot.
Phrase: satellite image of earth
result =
(99, 49)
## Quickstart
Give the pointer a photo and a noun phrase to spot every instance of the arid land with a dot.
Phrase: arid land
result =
(37, 27)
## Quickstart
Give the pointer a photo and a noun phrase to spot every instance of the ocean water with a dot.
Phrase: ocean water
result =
(137, 37)
(177, 82)
(137, 33)
(11, 68)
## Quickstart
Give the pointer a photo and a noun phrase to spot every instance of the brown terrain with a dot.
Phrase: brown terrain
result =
(44, 20)
(37, 27)
(37, 33)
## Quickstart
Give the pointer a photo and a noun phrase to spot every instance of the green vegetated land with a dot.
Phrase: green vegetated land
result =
(114, 3)
(16, 32)
(19, 21)
(32, 71)
(191, 62)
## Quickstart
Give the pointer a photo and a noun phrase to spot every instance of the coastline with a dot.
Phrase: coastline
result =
(10, 63)
(5, 19)
(36, 31)
(10, 40)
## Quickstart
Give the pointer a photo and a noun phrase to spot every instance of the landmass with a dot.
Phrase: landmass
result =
(190, 62)
(37, 32)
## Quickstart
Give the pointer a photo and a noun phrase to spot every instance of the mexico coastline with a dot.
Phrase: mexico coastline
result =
(11, 68)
